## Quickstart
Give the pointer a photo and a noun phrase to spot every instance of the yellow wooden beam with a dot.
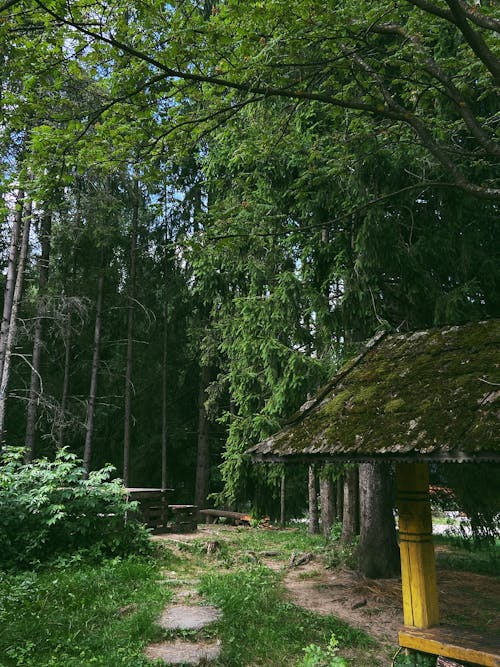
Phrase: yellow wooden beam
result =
(418, 565)
(453, 642)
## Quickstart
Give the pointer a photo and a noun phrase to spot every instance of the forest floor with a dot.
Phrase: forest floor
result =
(375, 606)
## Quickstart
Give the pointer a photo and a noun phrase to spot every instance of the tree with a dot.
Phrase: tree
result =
(378, 554)
(427, 72)
(350, 522)
(328, 500)
(130, 334)
(310, 173)
(41, 308)
(313, 502)
(14, 307)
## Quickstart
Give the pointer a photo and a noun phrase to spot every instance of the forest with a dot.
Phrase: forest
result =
(207, 206)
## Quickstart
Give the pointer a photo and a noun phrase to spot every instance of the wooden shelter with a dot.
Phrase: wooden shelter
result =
(413, 398)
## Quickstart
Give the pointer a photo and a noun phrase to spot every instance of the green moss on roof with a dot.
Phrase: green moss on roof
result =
(432, 394)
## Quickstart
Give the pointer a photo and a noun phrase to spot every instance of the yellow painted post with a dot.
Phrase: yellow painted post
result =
(418, 564)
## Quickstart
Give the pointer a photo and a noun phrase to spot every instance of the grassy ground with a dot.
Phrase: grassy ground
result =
(80, 615)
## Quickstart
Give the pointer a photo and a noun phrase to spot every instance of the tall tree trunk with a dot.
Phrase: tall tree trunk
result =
(378, 551)
(12, 330)
(313, 502)
(35, 383)
(327, 492)
(89, 421)
(350, 521)
(283, 499)
(65, 385)
(10, 281)
(340, 498)
(127, 427)
(203, 456)
(164, 403)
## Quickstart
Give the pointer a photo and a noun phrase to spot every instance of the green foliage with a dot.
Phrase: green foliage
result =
(476, 493)
(80, 615)
(49, 511)
(340, 554)
(407, 658)
(462, 553)
(315, 656)
(273, 229)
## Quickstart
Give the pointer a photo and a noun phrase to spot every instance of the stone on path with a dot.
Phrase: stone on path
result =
(184, 617)
(181, 652)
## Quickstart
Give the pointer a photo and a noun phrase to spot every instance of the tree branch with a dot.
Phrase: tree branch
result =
(8, 4)
(422, 132)
(481, 20)
(391, 110)
(329, 223)
(450, 89)
(475, 40)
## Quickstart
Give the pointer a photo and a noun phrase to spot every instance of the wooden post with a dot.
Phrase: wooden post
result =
(418, 564)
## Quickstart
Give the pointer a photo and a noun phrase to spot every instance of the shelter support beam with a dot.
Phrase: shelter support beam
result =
(418, 564)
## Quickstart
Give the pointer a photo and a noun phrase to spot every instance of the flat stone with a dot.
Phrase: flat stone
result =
(190, 596)
(184, 617)
(181, 652)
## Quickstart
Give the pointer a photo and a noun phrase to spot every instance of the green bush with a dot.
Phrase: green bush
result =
(315, 656)
(407, 658)
(48, 511)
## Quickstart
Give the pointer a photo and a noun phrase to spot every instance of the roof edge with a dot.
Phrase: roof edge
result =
(411, 457)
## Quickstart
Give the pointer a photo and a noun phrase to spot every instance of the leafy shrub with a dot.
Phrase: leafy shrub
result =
(342, 554)
(48, 511)
(409, 658)
(476, 493)
(315, 656)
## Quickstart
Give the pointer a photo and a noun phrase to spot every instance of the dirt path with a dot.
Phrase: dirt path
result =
(471, 600)
(373, 606)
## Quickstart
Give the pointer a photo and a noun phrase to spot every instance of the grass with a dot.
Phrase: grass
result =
(257, 622)
(79, 615)
(458, 554)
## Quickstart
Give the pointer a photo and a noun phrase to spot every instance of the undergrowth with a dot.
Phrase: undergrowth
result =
(258, 622)
(79, 616)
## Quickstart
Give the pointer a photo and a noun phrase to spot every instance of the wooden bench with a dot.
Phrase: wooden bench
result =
(236, 518)
(453, 642)
(153, 506)
(183, 518)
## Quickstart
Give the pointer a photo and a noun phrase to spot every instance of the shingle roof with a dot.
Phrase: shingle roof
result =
(422, 396)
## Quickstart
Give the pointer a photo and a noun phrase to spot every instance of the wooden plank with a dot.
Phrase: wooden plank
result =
(418, 565)
(454, 642)
(225, 514)
(140, 489)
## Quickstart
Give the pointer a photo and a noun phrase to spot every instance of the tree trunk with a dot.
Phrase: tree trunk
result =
(89, 421)
(313, 502)
(35, 382)
(327, 494)
(350, 521)
(340, 498)
(65, 386)
(203, 456)
(164, 403)
(127, 426)
(283, 500)
(12, 329)
(10, 280)
(378, 551)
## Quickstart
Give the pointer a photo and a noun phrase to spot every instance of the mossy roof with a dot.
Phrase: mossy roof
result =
(421, 396)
